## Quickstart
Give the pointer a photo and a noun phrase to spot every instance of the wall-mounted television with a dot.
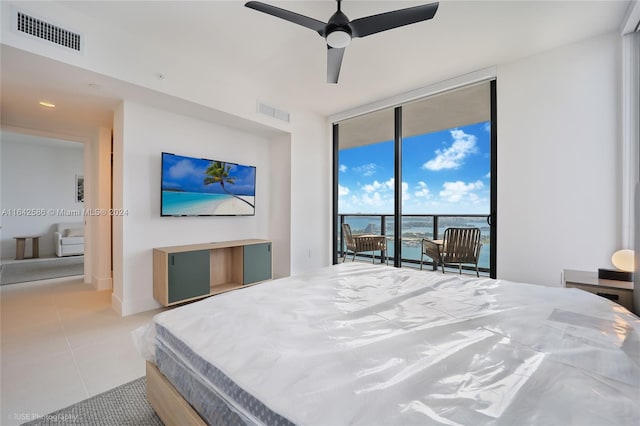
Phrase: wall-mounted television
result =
(200, 187)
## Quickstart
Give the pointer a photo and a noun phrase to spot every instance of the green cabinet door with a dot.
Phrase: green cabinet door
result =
(188, 275)
(257, 263)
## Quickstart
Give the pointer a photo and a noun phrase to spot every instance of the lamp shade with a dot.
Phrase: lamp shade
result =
(624, 260)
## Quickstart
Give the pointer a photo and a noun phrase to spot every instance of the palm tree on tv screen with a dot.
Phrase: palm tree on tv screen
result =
(218, 172)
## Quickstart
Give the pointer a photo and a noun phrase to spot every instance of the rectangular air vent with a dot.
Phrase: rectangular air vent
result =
(273, 112)
(49, 32)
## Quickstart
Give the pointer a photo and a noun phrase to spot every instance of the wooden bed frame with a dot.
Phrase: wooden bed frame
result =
(167, 402)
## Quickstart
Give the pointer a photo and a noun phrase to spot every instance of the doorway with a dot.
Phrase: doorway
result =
(39, 194)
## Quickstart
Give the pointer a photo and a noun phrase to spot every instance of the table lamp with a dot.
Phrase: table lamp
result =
(624, 261)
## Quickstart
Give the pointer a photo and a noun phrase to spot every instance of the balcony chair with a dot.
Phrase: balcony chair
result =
(459, 246)
(364, 243)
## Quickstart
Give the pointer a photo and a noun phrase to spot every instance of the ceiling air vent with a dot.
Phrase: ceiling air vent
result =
(273, 112)
(46, 31)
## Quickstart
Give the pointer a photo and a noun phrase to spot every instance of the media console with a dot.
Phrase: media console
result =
(190, 272)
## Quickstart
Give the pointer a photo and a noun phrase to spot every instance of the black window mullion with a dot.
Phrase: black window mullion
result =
(494, 182)
(334, 232)
(397, 245)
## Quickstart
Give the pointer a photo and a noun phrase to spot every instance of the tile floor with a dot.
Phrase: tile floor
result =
(60, 343)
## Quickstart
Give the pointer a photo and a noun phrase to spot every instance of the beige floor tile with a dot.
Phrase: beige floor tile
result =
(90, 329)
(108, 364)
(37, 343)
(38, 388)
(24, 308)
(61, 342)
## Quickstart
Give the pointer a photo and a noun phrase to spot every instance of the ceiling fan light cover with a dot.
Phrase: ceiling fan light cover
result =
(338, 39)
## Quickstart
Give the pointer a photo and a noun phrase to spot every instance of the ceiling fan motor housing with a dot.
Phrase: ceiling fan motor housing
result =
(338, 32)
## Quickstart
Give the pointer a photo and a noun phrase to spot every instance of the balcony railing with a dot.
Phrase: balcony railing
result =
(414, 229)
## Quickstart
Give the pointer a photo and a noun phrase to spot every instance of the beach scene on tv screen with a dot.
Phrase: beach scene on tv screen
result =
(197, 187)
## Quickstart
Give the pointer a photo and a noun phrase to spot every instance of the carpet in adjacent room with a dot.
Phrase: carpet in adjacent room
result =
(125, 405)
(36, 270)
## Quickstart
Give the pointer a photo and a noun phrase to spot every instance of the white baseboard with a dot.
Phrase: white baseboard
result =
(102, 283)
(131, 308)
(116, 303)
(138, 306)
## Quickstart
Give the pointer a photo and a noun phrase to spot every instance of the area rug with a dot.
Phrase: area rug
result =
(19, 272)
(125, 405)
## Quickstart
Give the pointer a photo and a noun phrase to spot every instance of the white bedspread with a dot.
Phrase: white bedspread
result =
(376, 345)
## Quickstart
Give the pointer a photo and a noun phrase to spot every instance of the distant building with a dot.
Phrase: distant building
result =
(370, 229)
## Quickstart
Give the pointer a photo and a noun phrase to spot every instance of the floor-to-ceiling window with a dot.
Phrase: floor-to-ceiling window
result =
(366, 174)
(434, 157)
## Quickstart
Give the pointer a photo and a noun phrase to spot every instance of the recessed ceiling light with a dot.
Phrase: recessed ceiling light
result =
(47, 104)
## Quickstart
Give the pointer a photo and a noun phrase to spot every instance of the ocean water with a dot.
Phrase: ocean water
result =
(415, 228)
(411, 252)
(191, 203)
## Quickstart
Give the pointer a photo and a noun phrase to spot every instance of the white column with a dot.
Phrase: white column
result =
(630, 134)
(101, 223)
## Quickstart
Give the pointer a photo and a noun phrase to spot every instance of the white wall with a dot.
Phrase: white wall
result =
(37, 173)
(145, 134)
(1, 216)
(558, 144)
(636, 294)
(311, 182)
(97, 261)
(280, 212)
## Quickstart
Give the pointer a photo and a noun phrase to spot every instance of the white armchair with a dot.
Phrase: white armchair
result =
(69, 239)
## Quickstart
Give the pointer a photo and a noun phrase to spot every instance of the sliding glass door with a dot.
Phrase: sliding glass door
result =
(411, 171)
(446, 165)
(365, 176)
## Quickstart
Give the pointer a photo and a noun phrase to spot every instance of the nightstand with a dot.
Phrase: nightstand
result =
(620, 292)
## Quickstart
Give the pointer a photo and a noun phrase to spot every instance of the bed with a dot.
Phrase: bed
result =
(375, 345)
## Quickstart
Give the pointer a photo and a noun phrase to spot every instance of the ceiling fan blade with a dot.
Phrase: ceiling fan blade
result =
(385, 21)
(334, 62)
(287, 15)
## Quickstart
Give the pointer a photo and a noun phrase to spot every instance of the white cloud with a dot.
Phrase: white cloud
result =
(405, 191)
(366, 169)
(376, 197)
(422, 190)
(487, 126)
(343, 168)
(372, 200)
(182, 169)
(453, 157)
(455, 192)
(373, 187)
(488, 175)
(378, 186)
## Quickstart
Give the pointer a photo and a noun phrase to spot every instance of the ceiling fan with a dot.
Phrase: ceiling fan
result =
(339, 31)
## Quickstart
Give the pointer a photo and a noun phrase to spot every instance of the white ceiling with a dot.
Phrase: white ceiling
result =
(290, 61)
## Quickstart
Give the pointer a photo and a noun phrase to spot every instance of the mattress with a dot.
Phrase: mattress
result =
(375, 345)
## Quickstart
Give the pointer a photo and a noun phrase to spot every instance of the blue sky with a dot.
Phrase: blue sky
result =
(187, 174)
(443, 172)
